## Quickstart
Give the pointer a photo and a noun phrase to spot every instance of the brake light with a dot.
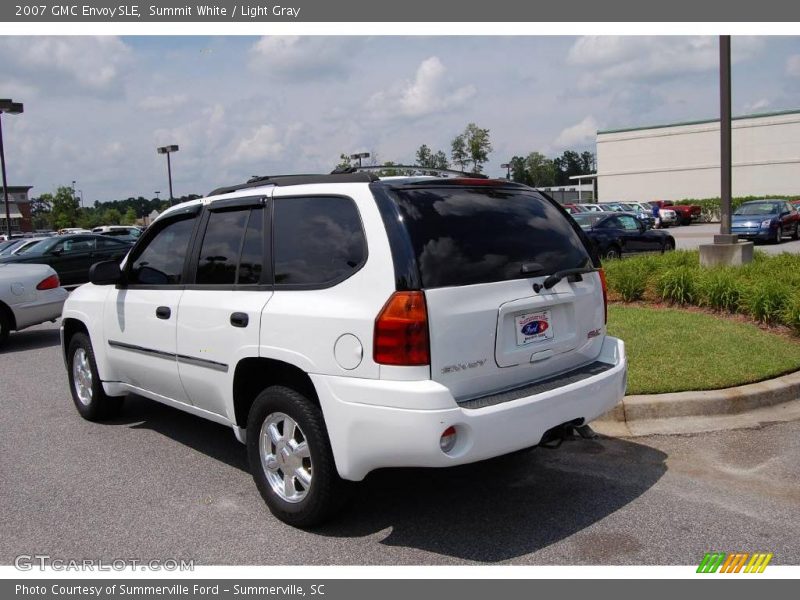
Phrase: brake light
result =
(50, 283)
(401, 331)
(605, 294)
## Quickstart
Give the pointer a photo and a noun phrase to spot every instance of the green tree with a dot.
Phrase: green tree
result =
(541, 170)
(426, 157)
(344, 162)
(42, 211)
(130, 217)
(111, 216)
(65, 208)
(472, 146)
(459, 152)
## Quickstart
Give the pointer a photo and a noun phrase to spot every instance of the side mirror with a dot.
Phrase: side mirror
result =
(105, 273)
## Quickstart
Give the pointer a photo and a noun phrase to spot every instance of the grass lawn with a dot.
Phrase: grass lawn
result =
(671, 350)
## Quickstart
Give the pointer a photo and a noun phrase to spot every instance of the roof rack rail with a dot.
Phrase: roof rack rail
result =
(283, 180)
(416, 169)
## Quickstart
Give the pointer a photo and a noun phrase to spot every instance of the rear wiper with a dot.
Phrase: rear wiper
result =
(559, 275)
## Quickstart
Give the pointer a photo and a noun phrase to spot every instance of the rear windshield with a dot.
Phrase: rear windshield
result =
(464, 236)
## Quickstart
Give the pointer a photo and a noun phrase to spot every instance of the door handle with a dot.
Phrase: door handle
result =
(163, 312)
(239, 319)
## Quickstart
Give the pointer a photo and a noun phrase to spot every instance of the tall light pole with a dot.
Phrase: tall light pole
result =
(12, 108)
(725, 136)
(168, 150)
(507, 167)
(359, 156)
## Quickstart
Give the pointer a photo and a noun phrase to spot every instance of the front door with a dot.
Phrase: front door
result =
(141, 315)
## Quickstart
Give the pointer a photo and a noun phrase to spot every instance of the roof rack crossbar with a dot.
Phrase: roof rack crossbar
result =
(416, 169)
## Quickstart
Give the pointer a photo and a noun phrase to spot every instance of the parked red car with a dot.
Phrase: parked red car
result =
(686, 212)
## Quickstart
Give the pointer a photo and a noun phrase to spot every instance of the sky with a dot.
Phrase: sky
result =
(96, 108)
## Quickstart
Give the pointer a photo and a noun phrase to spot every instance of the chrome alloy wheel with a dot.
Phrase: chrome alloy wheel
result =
(285, 457)
(82, 376)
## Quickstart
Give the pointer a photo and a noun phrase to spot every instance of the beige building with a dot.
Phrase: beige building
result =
(672, 162)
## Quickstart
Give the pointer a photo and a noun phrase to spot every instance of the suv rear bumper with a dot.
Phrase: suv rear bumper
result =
(377, 423)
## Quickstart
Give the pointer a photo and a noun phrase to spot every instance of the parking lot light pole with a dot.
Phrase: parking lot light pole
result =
(725, 137)
(12, 108)
(359, 156)
(168, 150)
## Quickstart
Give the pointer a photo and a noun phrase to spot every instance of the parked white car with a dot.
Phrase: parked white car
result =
(29, 294)
(341, 323)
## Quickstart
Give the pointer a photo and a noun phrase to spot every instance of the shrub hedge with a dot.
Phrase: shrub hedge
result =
(711, 206)
(767, 290)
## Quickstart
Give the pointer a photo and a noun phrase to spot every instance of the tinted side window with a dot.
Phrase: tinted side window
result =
(161, 260)
(233, 248)
(251, 263)
(629, 223)
(318, 240)
(219, 254)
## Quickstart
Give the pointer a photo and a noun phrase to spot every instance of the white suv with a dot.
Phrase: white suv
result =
(344, 323)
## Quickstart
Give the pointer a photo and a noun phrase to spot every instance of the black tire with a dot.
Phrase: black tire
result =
(98, 405)
(5, 327)
(778, 235)
(612, 253)
(327, 492)
(796, 232)
(669, 246)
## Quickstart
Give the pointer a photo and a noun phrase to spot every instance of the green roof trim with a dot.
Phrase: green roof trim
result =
(701, 122)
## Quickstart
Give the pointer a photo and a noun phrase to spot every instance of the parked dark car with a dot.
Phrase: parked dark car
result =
(766, 221)
(72, 255)
(615, 234)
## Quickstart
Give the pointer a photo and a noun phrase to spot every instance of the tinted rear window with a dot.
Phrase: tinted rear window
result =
(464, 236)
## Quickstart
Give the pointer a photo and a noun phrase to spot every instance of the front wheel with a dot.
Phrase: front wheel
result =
(5, 327)
(778, 235)
(87, 390)
(612, 253)
(291, 459)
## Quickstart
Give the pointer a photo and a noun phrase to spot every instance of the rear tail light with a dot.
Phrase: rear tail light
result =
(605, 295)
(50, 283)
(401, 331)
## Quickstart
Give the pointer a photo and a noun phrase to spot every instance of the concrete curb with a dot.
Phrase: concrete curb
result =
(685, 412)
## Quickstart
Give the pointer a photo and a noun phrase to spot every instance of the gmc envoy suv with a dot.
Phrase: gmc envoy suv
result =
(344, 323)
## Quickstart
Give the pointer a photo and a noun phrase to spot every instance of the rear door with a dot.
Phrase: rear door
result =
(482, 253)
(219, 317)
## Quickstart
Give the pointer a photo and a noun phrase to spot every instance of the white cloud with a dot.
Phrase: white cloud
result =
(607, 60)
(166, 103)
(577, 135)
(296, 58)
(756, 106)
(262, 144)
(93, 63)
(793, 65)
(429, 92)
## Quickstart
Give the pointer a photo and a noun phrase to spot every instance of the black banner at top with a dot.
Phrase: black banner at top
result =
(404, 11)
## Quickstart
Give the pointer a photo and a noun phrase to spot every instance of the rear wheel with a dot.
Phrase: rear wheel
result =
(87, 390)
(795, 232)
(291, 459)
(669, 246)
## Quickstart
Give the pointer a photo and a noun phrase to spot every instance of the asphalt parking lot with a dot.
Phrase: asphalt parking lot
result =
(158, 483)
(689, 237)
